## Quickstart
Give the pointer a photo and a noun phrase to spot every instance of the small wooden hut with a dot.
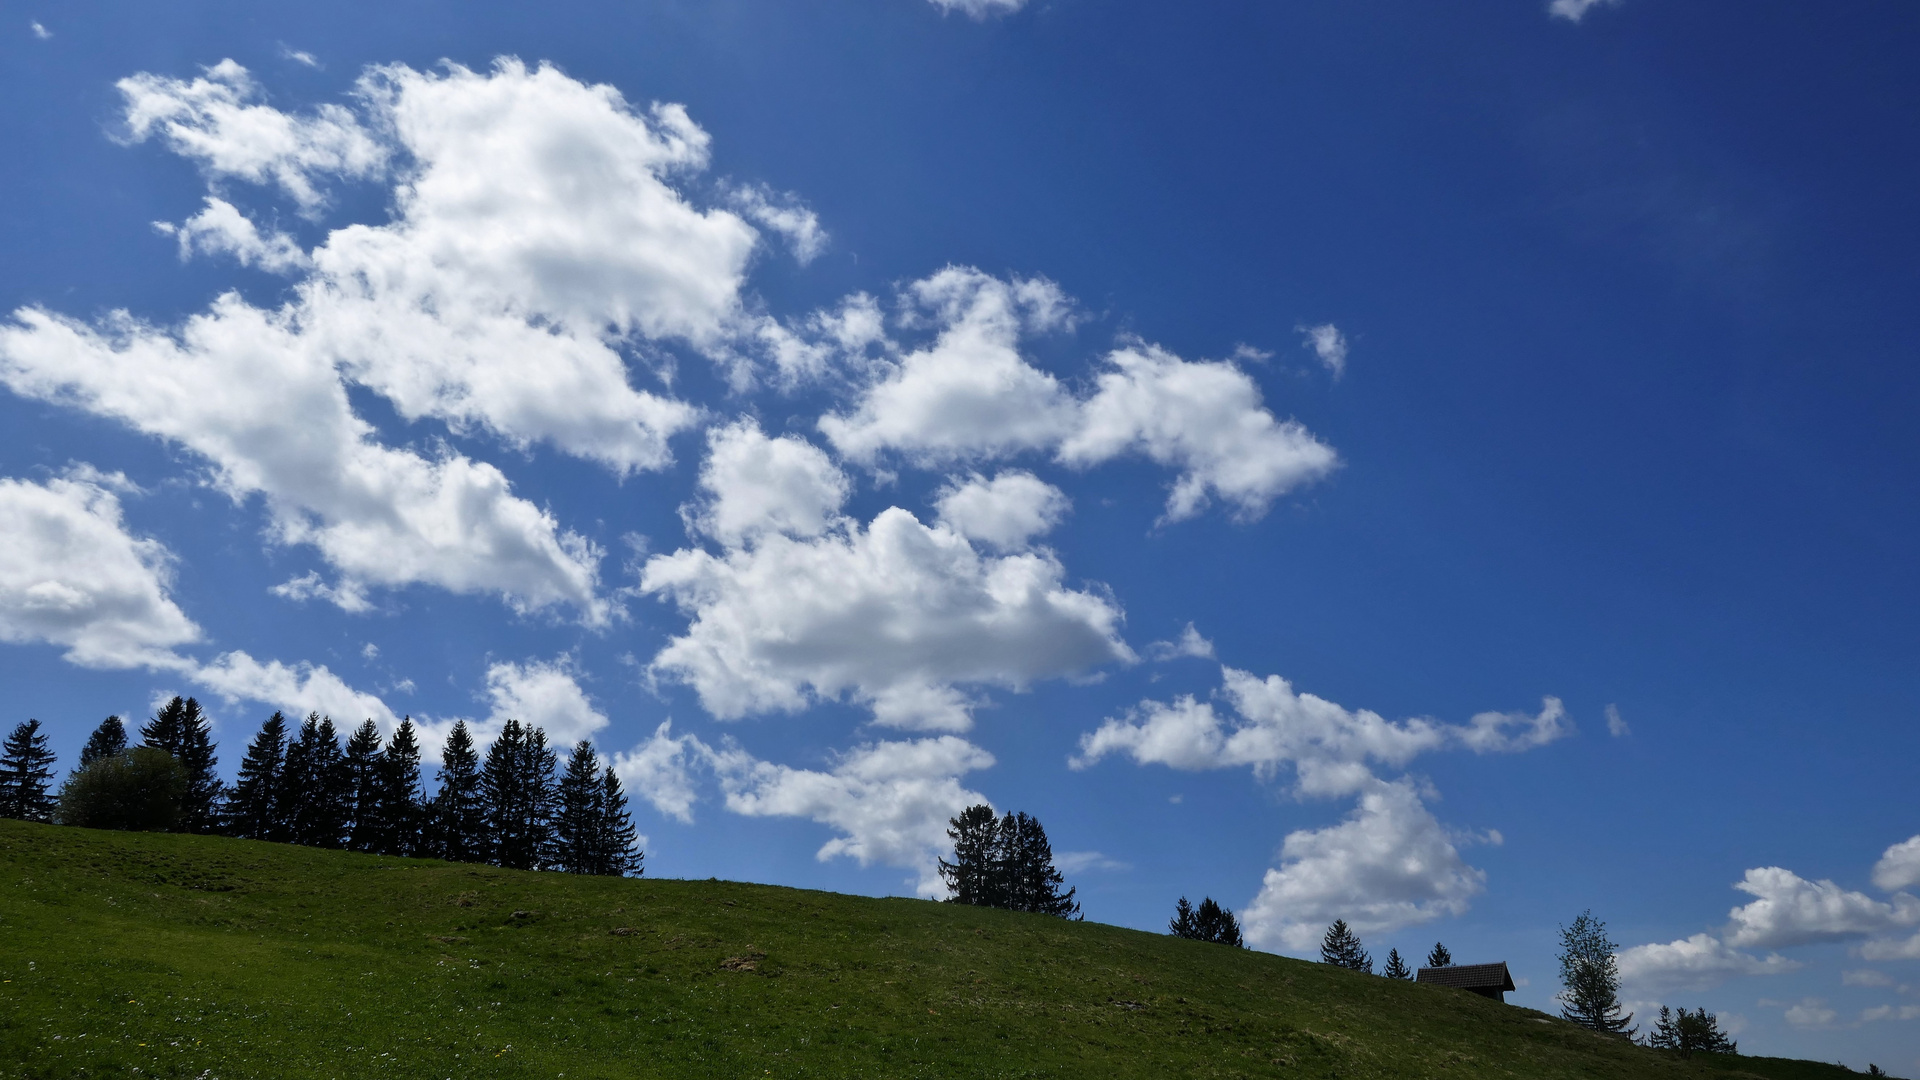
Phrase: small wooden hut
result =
(1487, 980)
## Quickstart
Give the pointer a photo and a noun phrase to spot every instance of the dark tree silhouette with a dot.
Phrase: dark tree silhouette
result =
(139, 790)
(1396, 968)
(26, 767)
(1004, 863)
(578, 823)
(362, 763)
(108, 740)
(519, 784)
(1591, 977)
(1439, 957)
(182, 730)
(397, 817)
(970, 876)
(316, 791)
(619, 842)
(254, 808)
(460, 809)
(1690, 1033)
(1341, 948)
(1208, 922)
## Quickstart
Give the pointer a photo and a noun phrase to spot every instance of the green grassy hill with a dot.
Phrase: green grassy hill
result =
(179, 956)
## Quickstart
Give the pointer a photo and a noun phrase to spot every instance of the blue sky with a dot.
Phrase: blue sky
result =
(1514, 402)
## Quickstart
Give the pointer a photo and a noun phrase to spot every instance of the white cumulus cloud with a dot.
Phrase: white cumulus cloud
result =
(1700, 962)
(757, 485)
(1790, 910)
(784, 214)
(661, 770)
(221, 229)
(1899, 866)
(1329, 346)
(1006, 512)
(296, 689)
(71, 575)
(1189, 644)
(542, 694)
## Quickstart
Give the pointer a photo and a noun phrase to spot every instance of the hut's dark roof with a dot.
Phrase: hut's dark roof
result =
(1468, 976)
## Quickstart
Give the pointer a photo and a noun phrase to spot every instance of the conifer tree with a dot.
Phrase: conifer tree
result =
(460, 808)
(26, 766)
(518, 780)
(254, 808)
(108, 740)
(1341, 948)
(398, 817)
(1396, 968)
(317, 788)
(970, 876)
(1217, 924)
(182, 730)
(362, 764)
(577, 824)
(1030, 881)
(1439, 957)
(1591, 977)
(1183, 924)
(619, 842)
(1690, 1033)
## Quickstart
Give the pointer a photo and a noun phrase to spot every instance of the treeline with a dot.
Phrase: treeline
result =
(517, 806)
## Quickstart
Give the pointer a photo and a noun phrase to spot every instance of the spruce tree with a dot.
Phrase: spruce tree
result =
(26, 766)
(518, 781)
(1396, 968)
(460, 807)
(1590, 974)
(1183, 924)
(1025, 861)
(619, 842)
(182, 730)
(1690, 1033)
(254, 809)
(399, 819)
(578, 845)
(970, 876)
(1439, 957)
(108, 740)
(362, 764)
(1217, 924)
(1341, 948)
(317, 788)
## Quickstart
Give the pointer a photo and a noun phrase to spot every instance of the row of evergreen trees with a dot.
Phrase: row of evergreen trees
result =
(1341, 947)
(1004, 862)
(515, 807)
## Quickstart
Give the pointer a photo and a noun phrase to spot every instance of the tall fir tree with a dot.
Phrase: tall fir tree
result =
(362, 763)
(1030, 880)
(254, 808)
(182, 730)
(1341, 948)
(1439, 957)
(26, 767)
(970, 876)
(578, 846)
(1217, 924)
(1590, 976)
(459, 829)
(619, 841)
(1691, 1033)
(317, 788)
(519, 783)
(398, 817)
(1183, 924)
(1396, 968)
(108, 740)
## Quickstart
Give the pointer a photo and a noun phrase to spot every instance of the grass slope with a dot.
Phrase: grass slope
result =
(180, 956)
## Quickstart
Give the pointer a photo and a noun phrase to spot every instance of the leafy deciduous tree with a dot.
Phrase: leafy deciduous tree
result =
(140, 790)
(181, 729)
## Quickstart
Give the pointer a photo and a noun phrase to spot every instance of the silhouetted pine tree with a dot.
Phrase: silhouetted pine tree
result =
(108, 740)
(578, 846)
(518, 780)
(1183, 925)
(1396, 968)
(1341, 948)
(1026, 858)
(1691, 1032)
(1217, 924)
(1439, 957)
(254, 808)
(398, 818)
(362, 763)
(970, 877)
(182, 730)
(460, 807)
(26, 765)
(316, 788)
(619, 843)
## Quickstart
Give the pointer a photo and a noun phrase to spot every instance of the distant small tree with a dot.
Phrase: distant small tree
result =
(1208, 922)
(1439, 957)
(619, 841)
(254, 808)
(970, 876)
(108, 740)
(1004, 863)
(1341, 948)
(362, 764)
(1590, 974)
(1396, 968)
(181, 729)
(1690, 1032)
(26, 767)
(139, 790)
(460, 807)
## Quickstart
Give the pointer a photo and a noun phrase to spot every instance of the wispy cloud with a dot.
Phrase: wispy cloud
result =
(1575, 10)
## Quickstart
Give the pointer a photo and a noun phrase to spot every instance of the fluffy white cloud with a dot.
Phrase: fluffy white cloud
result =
(1329, 346)
(1190, 643)
(221, 229)
(890, 800)
(1811, 1013)
(1700, 962)
(1575, 10)
(298, 689)
(1205, 419)
(72, 575)
(1006, 512)
(756, 485)
(783, 214)
(660, 770)
(1390, 864)
(1892, 948)
(1890, 1012)
(1790, 910)
(969, 395)
(978, 9)
(545, 695)
(236, 387)
(898, 615)
(218, 121)
(1899, 866)
(1506, 733)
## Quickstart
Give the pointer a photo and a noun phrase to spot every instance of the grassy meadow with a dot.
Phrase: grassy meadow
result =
(153, 955)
